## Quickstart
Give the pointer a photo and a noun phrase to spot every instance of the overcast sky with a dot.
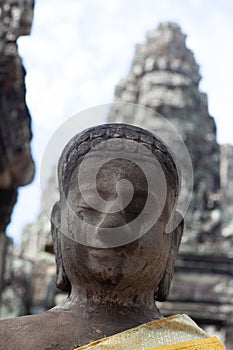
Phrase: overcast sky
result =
(78, 51)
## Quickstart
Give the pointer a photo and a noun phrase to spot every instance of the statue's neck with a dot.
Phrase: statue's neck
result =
(95, 319)
(136, 305)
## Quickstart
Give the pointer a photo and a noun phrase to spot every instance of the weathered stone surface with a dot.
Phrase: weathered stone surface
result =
(17, 294)
(37, 246)
(227, 190)
(16, 164)
(5, 242)
(203, 288)
(36, 237)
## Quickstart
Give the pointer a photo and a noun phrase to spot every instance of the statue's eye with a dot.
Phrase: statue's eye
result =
(86, 211)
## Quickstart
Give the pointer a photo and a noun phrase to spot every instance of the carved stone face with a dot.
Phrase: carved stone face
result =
(143, 259)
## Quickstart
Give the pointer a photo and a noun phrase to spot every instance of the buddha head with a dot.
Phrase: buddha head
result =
(116, 224)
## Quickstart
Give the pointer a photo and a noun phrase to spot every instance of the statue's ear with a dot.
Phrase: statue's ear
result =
(174, 240)
(63, 282)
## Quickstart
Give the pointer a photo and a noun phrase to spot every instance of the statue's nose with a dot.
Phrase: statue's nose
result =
(113, 229)
(111, 220)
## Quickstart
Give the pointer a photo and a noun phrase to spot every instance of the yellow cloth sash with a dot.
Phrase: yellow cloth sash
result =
(178, 332)
(202, 344)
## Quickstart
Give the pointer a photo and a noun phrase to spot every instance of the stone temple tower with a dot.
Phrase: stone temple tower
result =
(164, 76)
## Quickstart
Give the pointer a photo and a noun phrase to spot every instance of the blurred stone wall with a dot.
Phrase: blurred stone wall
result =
(16, 164)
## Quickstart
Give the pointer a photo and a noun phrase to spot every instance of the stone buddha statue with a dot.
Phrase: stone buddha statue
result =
(116, 234)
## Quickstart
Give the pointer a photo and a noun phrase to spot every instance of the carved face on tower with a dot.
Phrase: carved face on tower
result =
(118, 190)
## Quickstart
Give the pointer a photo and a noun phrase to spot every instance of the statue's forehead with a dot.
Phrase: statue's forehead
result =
(118, 147)
(112, 139)
(143, 174)
(113, 164)
(108, 174)
(103, 155)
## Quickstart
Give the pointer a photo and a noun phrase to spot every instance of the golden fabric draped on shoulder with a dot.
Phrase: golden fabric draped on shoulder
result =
(178, 332)
(202, 344)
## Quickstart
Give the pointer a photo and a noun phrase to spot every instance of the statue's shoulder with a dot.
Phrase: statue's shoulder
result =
(20, 332)
(42, 331)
